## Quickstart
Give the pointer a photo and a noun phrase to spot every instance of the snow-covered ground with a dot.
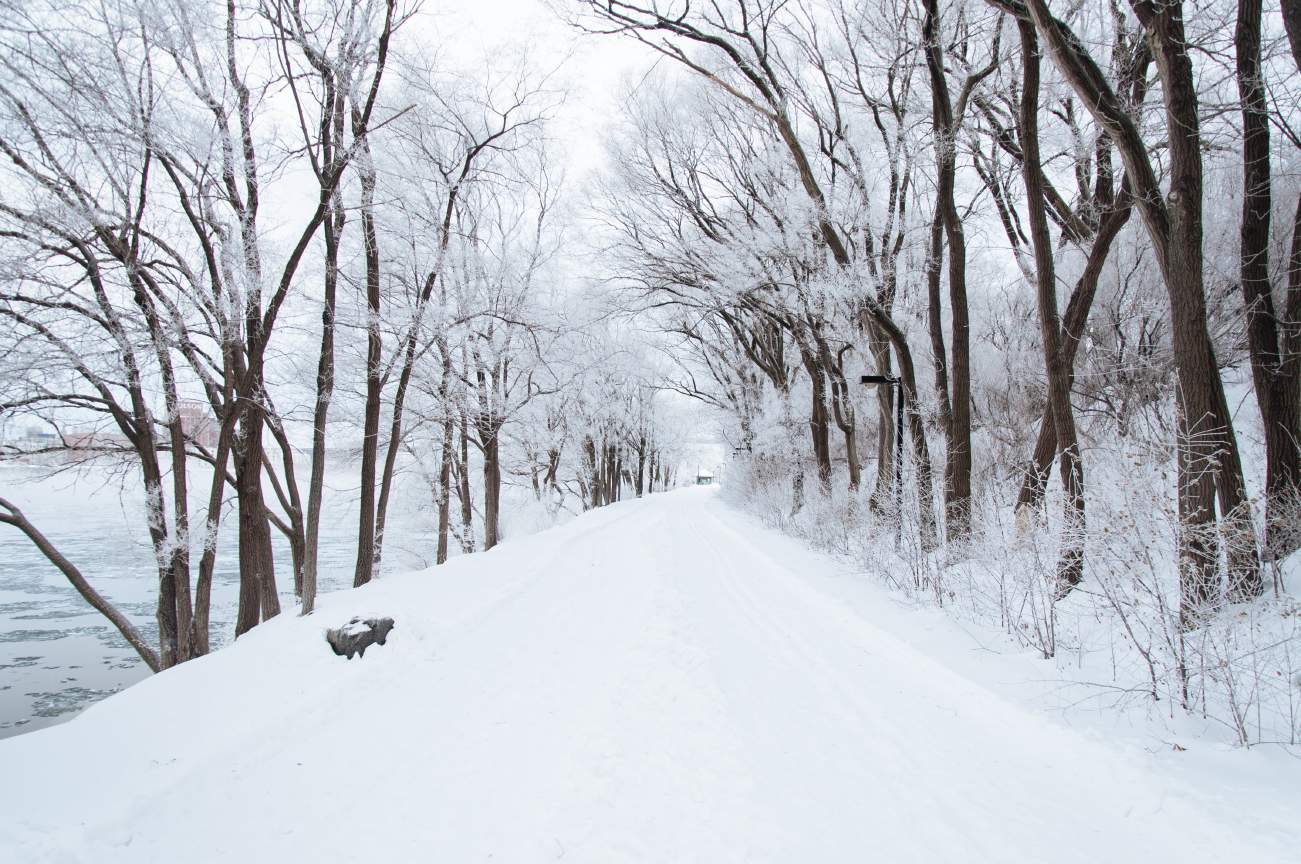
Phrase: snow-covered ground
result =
(57, 654)
(660, 680)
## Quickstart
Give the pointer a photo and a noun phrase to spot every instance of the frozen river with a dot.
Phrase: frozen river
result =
(57, 655)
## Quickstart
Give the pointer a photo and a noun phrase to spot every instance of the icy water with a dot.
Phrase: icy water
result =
(58, 655)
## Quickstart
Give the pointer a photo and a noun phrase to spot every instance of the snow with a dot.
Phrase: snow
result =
(356, 628)
(659, 680)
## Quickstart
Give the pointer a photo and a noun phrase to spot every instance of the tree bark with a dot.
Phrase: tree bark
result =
(366, 527)
(957, 464)
(819, 421)
(1070, 568)
(1275, 390)
(445, 454)
(320, 416)
(463, 488)
(1035, 482)
(1207, 445)
(258, 600)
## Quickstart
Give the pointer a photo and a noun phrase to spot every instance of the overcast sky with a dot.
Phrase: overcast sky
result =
(592, 68)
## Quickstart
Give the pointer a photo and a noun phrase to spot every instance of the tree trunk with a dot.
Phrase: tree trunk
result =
(882, 498)
(935, 323)
(199, 624)
(491, 482)
(641, 466)
(1035, 482)
(1207, 446)
(366, 528)
(957, 464)
(1275, 390)
(819, 421)
(1211, 446)
(444, 490)
(258, 600)
(463, 489)
(333, 227)
(1070, 568)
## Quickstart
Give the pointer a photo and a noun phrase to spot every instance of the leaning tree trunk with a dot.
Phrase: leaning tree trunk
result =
(11, 515)
(1035, 482)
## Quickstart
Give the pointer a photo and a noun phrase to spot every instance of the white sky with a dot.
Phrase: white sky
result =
(591, 68)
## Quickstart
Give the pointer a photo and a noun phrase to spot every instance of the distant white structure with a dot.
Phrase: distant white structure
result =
(704, 477)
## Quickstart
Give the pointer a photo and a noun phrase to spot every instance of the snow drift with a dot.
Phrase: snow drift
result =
(658, 680)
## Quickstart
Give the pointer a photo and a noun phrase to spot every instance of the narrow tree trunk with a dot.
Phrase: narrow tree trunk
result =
(463, 489)
(1070, 568)
(333, 227)
(957, 464)
(491, 483)
(882, 498)
(1035, 482)
(819, 421)
(366, 528)
(935, 323)
(444, 490)
(641, 466)
(199, 624)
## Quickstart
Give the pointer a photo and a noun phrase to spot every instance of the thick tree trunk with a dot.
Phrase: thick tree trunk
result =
(1276, 391)
(258, 600)
(1208, 461)
(1211, 446)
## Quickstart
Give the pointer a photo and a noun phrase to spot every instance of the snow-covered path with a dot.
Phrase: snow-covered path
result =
(647, 683)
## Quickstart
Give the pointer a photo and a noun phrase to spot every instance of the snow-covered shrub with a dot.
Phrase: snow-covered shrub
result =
(1119, 636)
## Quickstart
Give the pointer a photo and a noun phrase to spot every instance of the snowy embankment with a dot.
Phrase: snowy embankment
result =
(660, 680)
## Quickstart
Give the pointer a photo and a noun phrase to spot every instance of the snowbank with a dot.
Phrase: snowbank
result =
(659, 680)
